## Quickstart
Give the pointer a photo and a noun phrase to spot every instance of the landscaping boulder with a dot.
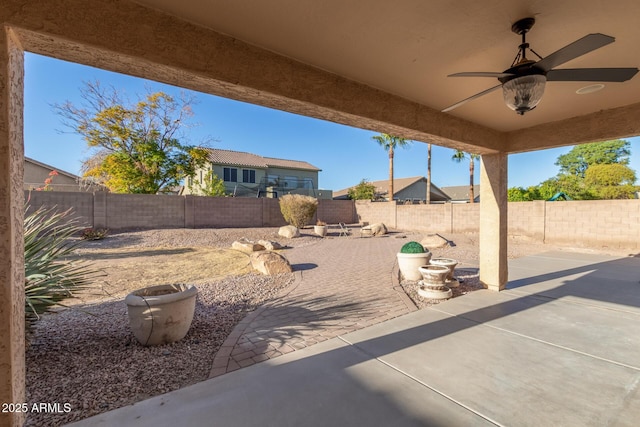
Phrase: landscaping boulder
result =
(377, 229)
(270, 263)
(247, 246)
(433, 241)
(289, 231)
(270, 245)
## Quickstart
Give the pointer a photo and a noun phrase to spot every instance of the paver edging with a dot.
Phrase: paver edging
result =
(223, 355)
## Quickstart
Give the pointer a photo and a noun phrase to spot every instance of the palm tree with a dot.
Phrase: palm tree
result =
(389, 143)
(458, 157)
(429, 173)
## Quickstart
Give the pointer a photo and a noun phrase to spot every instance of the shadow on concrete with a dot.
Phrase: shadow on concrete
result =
(304, 266)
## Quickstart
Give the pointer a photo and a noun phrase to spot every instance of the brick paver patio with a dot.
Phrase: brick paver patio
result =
(343, 284)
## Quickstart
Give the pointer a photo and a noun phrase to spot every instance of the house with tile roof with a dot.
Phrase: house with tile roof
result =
(412, 189)
(250, 175)
(460, 193)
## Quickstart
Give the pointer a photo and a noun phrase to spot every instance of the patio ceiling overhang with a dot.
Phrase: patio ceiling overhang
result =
(382, 67)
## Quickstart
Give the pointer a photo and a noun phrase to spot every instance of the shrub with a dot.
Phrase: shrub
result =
(50, 277)
(321, 223)
(297, 209)
(93, 234)
(412, 248)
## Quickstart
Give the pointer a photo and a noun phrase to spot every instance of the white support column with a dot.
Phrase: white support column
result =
(12, 364)
(493, 221)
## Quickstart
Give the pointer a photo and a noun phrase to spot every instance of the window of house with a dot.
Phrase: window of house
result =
(272, 180)
(230, 174)
(249, 175)
(290, 182)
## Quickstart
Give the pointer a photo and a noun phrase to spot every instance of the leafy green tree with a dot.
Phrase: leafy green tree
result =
(363, 191)
(136, 147)
(520, 194)
(390, 143)
(576, 161)
(611, 181)
(211, 185)
(460, 156)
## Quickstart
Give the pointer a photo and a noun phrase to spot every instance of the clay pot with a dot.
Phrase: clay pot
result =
(161, 314)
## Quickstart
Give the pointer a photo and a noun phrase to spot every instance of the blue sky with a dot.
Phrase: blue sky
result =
(345, 154)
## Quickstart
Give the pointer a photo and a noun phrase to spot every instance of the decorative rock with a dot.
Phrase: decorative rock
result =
(270, 263)
(289, 231)
(270, 245)
(434, 241)
(247, 246)
(375, 229)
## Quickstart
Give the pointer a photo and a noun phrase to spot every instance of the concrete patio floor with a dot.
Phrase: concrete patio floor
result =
(559, 347)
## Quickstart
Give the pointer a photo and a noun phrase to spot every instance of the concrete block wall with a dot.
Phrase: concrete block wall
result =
(81, 203)
(465, 217)
(144, 211)
(612, 223)
(527, 220)
(335, 211)
(125, 211)
(597, 223)
(373, 212)
(434, 218)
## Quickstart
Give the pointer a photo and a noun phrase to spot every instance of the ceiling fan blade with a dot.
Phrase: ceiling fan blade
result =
(592, 75)
(477, 95)
(481, 74)
(571, 51)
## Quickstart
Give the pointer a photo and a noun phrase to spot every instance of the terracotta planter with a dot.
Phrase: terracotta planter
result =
(409, 264)
(320, 230)
(161, 314)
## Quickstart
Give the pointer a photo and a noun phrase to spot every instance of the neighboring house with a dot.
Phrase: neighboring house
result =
(251, 175)
(460, 193)
(35, 174)
(406, 189)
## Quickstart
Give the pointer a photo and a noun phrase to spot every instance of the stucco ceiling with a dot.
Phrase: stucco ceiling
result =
(408, 47)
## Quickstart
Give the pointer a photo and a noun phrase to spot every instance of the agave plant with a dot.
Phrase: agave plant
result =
(50, 277)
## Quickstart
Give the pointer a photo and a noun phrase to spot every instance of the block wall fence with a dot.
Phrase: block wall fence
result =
(598, 223)
(147, 211)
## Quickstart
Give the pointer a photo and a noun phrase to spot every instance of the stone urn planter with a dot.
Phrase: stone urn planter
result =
(320, 228)
(451, 265)
(432, 285)
(411, 257)
(161, 314)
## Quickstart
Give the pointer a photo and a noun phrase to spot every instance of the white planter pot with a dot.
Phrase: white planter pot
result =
(320, 230)
(410, 263)
(434, 275)
(161, 314)
(446, 262)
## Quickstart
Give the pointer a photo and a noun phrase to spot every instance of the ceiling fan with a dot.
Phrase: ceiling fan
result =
(523, 83)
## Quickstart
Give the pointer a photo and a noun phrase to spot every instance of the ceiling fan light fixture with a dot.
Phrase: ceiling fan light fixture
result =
(522, 94)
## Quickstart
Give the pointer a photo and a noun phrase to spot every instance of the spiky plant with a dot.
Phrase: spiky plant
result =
(50, 277)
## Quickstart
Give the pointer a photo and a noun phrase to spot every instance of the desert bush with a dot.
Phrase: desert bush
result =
(297, 209)
(93, 233)
(50, 276)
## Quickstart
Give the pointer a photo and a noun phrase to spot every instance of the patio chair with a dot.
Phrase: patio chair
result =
(344, 230)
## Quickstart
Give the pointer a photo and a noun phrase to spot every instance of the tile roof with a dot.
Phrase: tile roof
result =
(241, 158)
(461, 192)
(399, 184)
